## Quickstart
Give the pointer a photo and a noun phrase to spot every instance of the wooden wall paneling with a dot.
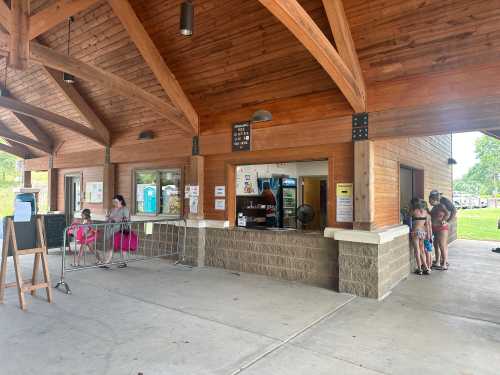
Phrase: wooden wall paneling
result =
(295, 18)
(124, 11)
(19, 37)
(37, 164)
(79, 159)
(54, 14)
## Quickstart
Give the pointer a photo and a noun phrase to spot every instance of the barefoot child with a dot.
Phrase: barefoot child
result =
(85, 235)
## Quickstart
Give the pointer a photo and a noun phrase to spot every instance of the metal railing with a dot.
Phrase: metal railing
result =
(87, 246)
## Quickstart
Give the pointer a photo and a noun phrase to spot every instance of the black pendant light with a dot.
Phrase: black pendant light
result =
(187, 18)
(69, 78)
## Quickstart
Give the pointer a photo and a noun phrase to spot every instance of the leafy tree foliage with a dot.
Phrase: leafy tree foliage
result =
(484, 177)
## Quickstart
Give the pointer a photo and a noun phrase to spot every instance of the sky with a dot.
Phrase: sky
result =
(463, 152)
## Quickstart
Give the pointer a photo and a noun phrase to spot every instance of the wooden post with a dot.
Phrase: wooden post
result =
(364, 185)
(195, 177)
(27, 179)
(108, 175)
(52, 185)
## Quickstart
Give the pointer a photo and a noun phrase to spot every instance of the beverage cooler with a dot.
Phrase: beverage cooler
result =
(285, 192)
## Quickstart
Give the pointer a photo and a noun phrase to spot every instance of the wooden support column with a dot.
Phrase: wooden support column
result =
(108, 178)
(195, 176)
(19, 34)
(27, 179)
(364, 185)
(52, 185)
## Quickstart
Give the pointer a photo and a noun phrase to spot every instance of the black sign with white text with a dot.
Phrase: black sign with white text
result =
(241, 136)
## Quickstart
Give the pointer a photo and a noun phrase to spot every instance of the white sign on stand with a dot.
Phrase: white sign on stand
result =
(22, 212)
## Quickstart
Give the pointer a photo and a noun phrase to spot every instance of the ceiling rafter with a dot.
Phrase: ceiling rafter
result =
(341, 31)
(16, 150)
(124, 11)
(80, 104)
(300, 24)
(8, 134)
(34, 128)
(56, 13)
(42, 114)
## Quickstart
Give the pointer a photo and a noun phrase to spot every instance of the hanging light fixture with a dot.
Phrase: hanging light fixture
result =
(69, 78)
(187, 18)
(261, 115)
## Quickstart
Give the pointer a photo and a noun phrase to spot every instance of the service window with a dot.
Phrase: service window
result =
(157, 192)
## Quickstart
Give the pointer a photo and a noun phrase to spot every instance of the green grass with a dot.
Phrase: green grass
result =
(479, 224)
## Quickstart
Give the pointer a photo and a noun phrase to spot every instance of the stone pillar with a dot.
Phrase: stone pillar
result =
(364, 185)
(372, 263)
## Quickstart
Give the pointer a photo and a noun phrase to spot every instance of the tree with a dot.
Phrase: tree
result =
(482, 178)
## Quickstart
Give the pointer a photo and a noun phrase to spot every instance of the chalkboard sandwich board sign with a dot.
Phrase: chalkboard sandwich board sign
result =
(241, 136)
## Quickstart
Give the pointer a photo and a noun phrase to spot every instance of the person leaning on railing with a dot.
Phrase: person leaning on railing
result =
(119, 214)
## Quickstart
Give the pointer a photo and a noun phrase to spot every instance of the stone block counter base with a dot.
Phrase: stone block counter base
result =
(372, 263)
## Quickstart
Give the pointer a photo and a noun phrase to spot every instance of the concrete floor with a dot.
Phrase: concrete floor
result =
(157, 318)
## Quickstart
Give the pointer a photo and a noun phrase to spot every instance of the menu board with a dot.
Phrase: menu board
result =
(94, 192)
(241, 136)
(246, 181)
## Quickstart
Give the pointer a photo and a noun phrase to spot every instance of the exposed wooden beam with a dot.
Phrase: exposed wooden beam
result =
(71, 93)
(343, 40)
(34, 128)
(296, 19)
(19, 37)
(124, 11)
(41, 114)
(56, 13)
(11, 136)
(16, 149)
(5, 15)
(109, 81)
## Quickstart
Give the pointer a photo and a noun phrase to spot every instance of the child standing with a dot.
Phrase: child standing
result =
(85, 235)
(420, 232)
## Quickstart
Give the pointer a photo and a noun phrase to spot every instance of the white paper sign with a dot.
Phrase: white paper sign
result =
(193, 205)
(246, 181)
(187, 191)
(195, 191)
(220, 204)
(344, 203)
(94, 192)
(220, 191)
(22, 212)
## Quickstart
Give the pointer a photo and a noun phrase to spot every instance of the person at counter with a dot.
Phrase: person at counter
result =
(270, 201)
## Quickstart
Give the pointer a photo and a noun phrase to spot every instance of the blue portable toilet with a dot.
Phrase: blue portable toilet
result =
(28, 197)
(150, 199)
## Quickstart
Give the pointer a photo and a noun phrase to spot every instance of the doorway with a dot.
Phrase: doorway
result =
(314, 192)
(411, 185)
(72, 196)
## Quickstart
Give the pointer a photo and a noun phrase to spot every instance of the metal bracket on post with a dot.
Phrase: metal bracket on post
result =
(107, 155)
(51, 161)
(360, 126)
(196, 146)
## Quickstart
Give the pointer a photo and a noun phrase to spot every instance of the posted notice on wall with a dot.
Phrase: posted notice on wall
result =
(187, 191)
(194, 191)
(94, 192)
(193, 205)
(344, 203)
(220, 204)
(220, 191)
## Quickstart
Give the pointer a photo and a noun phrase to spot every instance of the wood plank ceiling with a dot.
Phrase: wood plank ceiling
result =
(241, 58)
